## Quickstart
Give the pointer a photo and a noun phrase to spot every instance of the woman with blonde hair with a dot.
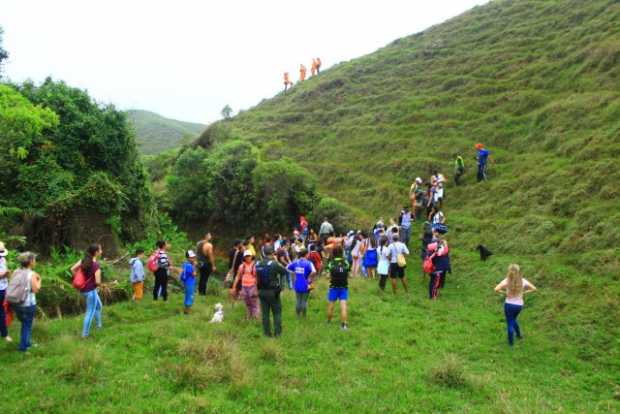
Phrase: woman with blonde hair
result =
(515, 286)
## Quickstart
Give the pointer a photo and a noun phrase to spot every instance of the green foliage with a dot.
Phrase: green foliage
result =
(65, 152)
(230, 183)
(156, 134)
(284, 190)
(227, 112)
(339, 214)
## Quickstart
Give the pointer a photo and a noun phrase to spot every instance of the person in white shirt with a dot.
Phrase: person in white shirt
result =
(514, 286)
(397, 270)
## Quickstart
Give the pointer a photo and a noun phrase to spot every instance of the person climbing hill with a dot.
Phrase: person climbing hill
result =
(459, 169)
(483, 157)
(318, 65)
(287, 81)
(302, 72)
(313, 67)
(515, 286)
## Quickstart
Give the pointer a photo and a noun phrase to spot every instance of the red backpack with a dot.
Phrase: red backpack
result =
(428, 266)
(153, 262)
(79, 279)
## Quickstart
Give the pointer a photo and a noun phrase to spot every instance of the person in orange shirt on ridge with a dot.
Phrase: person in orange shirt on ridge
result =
(302, 73)
(287, 81)
(313, 68)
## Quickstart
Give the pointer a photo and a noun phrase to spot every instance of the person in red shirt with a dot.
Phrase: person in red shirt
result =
(303, 225)
(315, 257)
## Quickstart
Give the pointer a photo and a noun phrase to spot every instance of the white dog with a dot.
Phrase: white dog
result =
(218, 316)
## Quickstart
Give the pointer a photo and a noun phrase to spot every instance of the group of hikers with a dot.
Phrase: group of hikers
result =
(258, 274)
(315, 69)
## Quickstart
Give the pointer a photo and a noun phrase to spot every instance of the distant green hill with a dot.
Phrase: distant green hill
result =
(155, 134)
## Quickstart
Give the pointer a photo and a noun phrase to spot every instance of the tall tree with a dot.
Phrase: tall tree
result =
(227, 112)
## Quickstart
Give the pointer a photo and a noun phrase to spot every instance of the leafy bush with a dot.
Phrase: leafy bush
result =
(339, 214)
(229, 184)
(64, 152)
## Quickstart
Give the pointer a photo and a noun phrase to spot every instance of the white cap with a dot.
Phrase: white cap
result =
(418, 180)
(247, 253)
(3, 250)
(191, 254)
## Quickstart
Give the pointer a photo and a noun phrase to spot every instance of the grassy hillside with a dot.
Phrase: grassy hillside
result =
(536, 81)
(155, 134)
(402, 354)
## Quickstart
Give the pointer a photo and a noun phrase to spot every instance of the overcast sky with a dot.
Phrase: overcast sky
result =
(187, 59)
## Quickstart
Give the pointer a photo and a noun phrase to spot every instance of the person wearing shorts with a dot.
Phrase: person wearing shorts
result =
(395, 249)
(338, 269)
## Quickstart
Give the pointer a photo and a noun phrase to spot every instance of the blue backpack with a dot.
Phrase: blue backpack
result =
(371, 259)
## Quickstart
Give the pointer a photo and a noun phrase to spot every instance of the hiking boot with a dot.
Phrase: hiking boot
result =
(344, 326)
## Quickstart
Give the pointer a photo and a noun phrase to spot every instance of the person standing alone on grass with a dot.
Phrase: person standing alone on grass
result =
(338, 269)
(304, 272)
(136, 277)
(515, 286)
(26, 283)
(188, 278)
(246, 277)
(92, 271)
(398, 262)
(206, 263)
(4, 283)
(270, 275)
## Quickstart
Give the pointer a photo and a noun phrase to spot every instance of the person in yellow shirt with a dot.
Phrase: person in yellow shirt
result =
(250, 245)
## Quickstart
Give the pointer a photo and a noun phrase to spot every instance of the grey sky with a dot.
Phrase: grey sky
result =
(187, 59)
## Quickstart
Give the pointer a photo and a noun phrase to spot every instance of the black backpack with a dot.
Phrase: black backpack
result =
(339, 270)
(264, 275)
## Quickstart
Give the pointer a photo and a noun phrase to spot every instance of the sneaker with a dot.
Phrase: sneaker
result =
(344, 327)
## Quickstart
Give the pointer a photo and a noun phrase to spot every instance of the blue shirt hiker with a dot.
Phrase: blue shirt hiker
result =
(188, 278)
(137, 270)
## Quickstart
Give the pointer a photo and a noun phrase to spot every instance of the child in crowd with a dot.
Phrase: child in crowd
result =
(188, 277)
(136, 278)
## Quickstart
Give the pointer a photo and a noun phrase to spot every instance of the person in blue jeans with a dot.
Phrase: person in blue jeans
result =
(188, 277)
(304, 272)
(26, 310)
(92, 271)
(338, 269)
(514, 286)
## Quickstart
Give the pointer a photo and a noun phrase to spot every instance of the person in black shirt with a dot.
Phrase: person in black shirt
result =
(270, 274)
(338, 269)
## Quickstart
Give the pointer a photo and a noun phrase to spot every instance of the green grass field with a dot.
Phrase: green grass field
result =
(402, 353)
